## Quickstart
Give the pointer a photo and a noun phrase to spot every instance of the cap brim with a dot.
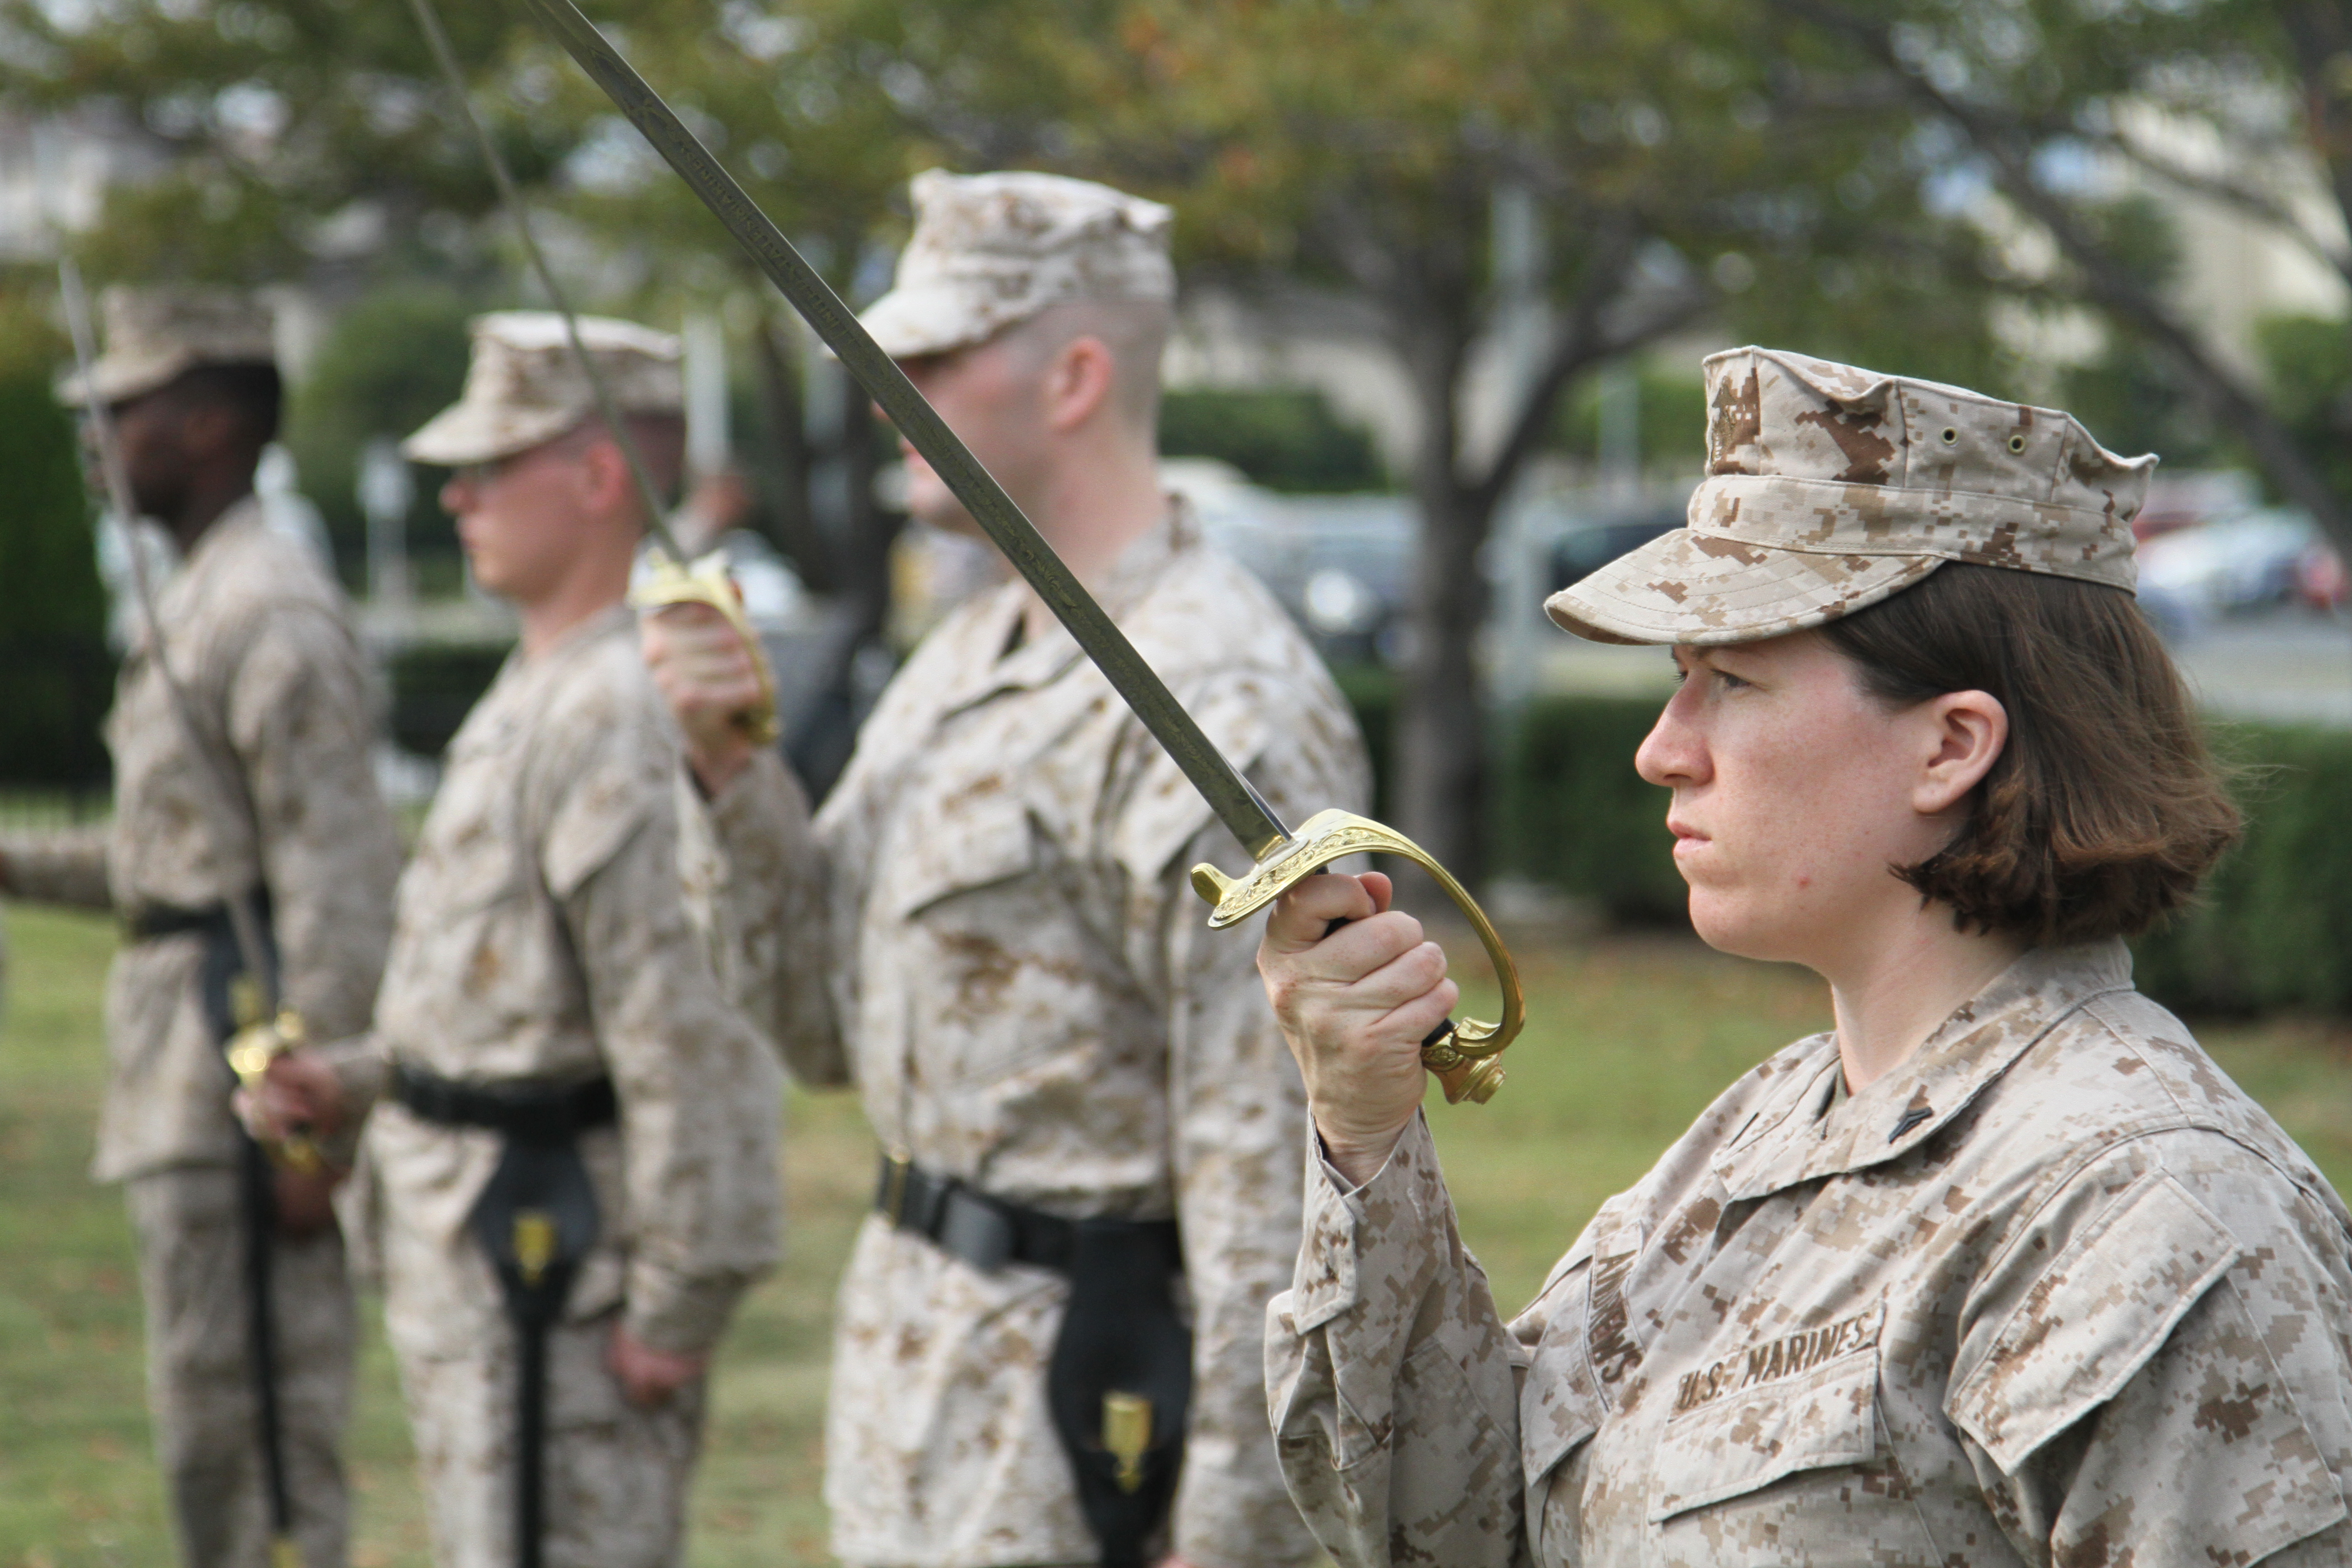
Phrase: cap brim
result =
(908, 324)
(470, 433)
(113, 379)
(1702, 588)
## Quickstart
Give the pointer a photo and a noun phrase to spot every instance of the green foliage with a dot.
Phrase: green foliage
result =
(2132, 401)
(1672, 421)
(2307, 361)
(1575, 815)
(1284, 439)
(56, 672)
(2275, 927)
(395, 359)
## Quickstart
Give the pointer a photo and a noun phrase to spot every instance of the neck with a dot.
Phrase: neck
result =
(1092, 508)
(206, 501)
(1896, 992)
(597, 581)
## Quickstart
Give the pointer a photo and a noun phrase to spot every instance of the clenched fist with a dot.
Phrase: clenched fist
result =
(1355, 1000)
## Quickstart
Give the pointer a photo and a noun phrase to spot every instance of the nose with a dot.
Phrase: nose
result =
(1675, 753)
(456, 495)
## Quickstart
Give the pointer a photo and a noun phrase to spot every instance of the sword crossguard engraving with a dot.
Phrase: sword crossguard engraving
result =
(707, 583)
(1461, 1054)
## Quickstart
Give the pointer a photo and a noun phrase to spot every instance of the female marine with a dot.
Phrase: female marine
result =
(2002, 1268)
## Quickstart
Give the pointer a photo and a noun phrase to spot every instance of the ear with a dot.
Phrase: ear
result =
(611, 487)
(1078, 382)
(1965, 731)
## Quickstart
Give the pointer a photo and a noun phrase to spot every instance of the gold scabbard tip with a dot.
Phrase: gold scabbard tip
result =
(284, 1553)
(534, 1243)
(1127, 1434)
(1209, 883)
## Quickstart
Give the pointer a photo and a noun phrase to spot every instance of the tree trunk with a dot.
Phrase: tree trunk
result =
(796, 531)
(820, 747)
(1438, 763)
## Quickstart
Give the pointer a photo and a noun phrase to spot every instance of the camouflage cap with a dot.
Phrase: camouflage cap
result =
(153, 334)
(989, 250)
(524, 387)
(1829, 488)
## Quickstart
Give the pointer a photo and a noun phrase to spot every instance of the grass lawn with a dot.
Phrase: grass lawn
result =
(1630, 1037)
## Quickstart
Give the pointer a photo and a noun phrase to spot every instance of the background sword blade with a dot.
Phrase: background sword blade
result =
(1229, 796)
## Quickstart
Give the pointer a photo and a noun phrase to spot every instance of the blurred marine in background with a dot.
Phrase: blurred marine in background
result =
(260, 639)
(570, 1174)
(1088, 1118)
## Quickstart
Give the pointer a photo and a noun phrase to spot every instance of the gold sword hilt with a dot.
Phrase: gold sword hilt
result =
(707, 583)
(1461, 1054)
(259, 1041)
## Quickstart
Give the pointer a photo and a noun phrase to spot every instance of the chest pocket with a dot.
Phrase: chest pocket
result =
(975, 844)
(1781, 1443)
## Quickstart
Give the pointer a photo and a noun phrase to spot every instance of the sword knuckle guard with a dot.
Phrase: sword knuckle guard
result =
(1462, 1055)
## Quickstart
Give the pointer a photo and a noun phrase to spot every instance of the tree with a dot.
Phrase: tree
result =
(2076, 113)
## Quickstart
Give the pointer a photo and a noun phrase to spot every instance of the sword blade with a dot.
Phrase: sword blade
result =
(1229, 795)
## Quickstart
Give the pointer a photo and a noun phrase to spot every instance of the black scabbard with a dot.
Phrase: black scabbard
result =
(536, 1221)
(1122, 1338)
(257, 1193)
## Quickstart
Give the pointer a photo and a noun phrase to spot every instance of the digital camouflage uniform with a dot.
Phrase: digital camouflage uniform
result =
(1034, 1004)
(2052, 1290)
(555, 925)
(261, 638)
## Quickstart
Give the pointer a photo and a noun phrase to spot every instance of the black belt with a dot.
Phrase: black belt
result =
(988, 1232)
(526, 1110)
(150, 921)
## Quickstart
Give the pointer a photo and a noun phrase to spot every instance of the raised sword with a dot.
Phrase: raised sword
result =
(1463, 1054)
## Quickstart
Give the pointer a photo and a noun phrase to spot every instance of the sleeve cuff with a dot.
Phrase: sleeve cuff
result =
(1385, 1228)
(669, 1311)
(363, 1068)
(66, 868)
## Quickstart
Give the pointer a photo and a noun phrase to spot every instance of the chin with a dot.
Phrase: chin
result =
(932, 504)
(1727, 923)
(486, 576)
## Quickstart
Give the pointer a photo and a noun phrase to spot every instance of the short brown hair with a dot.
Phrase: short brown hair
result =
(2106, 808)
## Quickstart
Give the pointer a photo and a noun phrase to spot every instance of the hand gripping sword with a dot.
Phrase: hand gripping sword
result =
(264, 1028)
(1463, 1054)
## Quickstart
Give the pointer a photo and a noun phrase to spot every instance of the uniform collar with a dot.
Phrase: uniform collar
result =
(521, 676)
(1798, 1137)
(241, 519)
(1042, 660)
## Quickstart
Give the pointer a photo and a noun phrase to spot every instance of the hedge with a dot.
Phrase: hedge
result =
(57, 676)
(2272, 929)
